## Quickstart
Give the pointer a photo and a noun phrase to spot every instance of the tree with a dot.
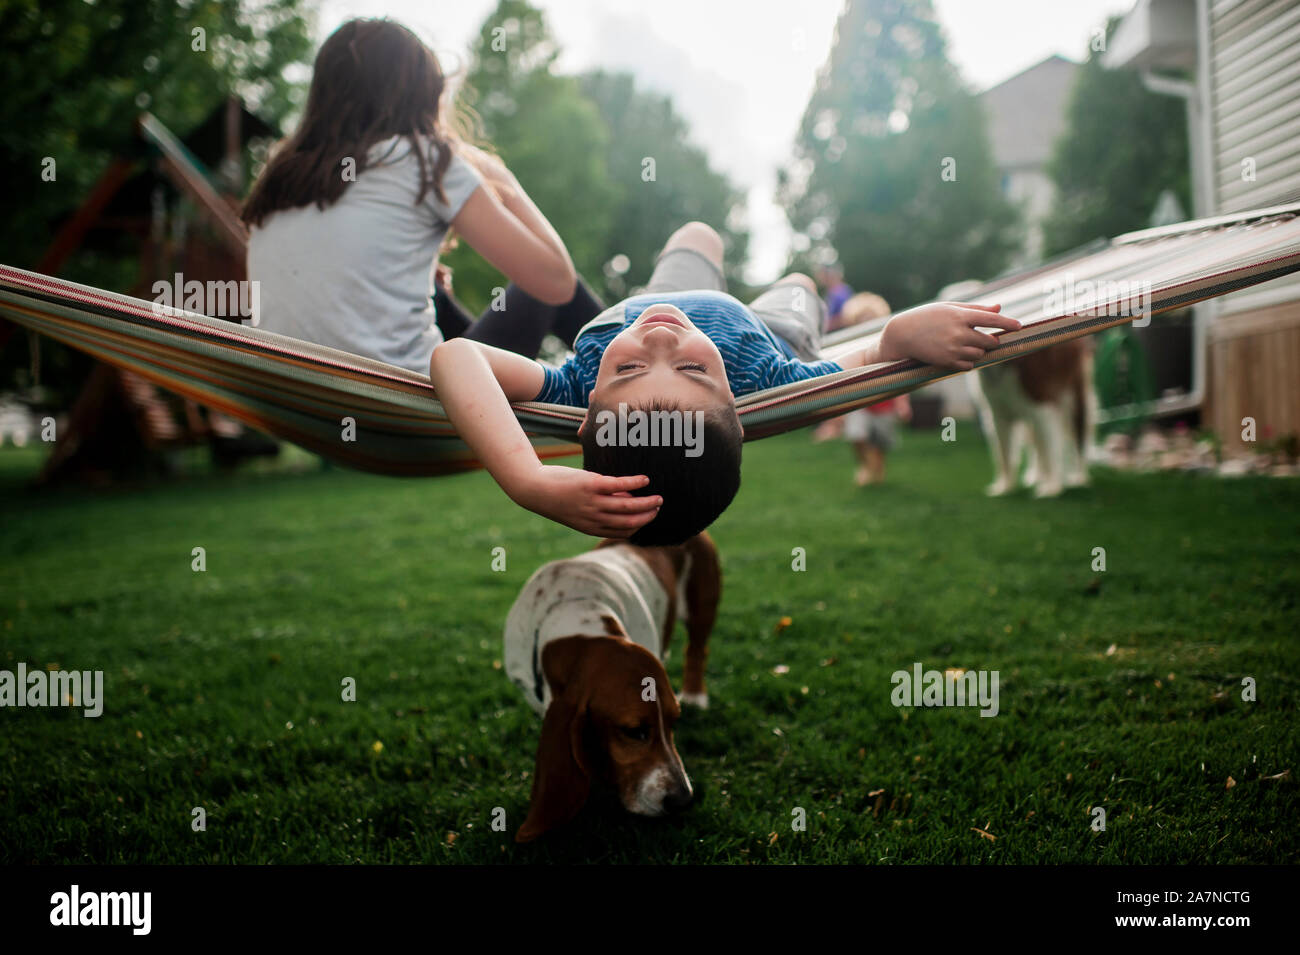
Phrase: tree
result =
(643, 128)
(580, 147)
(75, 76)
(893, 172)
(1122, 146)
(548, 133)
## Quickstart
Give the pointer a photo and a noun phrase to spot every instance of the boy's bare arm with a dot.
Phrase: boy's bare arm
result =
(476, 384)
(941, 333)
(870, 355)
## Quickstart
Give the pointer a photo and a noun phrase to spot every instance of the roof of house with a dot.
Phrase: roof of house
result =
(1027, 112)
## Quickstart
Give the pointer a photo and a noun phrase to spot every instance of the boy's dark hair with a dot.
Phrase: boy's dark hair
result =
(695, 489)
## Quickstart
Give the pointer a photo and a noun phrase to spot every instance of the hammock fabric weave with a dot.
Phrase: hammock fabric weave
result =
(303, 393)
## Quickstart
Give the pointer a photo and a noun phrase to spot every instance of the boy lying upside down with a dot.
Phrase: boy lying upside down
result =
(682, 345)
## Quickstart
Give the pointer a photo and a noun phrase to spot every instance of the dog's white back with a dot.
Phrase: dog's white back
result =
(570, 597)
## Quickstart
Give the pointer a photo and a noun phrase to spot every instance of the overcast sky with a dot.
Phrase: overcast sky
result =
(741, 71)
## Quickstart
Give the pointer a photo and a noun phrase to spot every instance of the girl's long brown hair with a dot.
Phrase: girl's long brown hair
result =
(373, 80)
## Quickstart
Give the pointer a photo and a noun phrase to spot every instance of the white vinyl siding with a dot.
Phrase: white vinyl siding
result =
(1255, 115)
(1255, 84)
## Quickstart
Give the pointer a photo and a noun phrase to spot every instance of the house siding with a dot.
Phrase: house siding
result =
(1255, 102)
(1253, 345)
(1252, 359)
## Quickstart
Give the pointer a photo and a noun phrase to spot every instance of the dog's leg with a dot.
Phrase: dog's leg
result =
(1001, 437)
(989, 390)
(1049, 431)
(703, 592)
(1089, 451)
(1074, 413)
(1024, 453)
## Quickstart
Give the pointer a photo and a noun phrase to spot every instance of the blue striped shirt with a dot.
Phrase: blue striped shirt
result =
(754, 357)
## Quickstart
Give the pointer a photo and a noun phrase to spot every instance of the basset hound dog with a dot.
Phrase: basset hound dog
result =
(584, 641)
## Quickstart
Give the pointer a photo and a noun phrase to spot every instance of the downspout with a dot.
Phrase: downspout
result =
(1205, 313)
(1196, 94)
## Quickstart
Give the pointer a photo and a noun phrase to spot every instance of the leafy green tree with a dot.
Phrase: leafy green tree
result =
(1121, 147)
(548, 133)
(76, 74)
(893, 172)
(644, 126)
(579, 146)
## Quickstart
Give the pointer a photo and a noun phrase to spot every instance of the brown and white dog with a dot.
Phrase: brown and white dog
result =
(1049, 394)
(585, 641)
(1048, 397)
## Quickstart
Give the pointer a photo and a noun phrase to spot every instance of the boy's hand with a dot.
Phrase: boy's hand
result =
(943, 333)
(595, 504)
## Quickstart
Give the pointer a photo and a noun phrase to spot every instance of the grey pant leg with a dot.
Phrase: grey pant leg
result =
(684, 270)
(796, 315)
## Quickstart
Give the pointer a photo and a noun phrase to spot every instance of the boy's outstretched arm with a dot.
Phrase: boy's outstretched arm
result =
(941, 333)
(476, 384)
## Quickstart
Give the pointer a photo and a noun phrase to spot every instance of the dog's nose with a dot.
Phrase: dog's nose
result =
(680, 798)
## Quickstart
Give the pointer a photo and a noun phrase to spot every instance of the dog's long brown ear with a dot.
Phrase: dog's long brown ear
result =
(561, 780)
(561, 777)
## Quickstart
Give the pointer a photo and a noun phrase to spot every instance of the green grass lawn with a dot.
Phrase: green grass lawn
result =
(223, 688)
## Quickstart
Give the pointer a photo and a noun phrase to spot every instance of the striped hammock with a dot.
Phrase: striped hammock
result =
(302, 392)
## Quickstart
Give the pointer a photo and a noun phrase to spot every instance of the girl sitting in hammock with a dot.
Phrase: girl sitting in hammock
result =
(347, 219)
(683, 348)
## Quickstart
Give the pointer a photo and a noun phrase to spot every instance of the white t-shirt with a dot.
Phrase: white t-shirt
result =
(358, 275)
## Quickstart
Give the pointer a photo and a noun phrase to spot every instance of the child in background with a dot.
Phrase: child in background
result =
(872, 431)
(836, 291)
